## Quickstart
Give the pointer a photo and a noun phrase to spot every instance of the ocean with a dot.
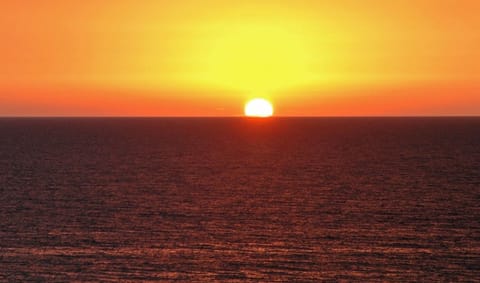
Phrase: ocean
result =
(240, 199)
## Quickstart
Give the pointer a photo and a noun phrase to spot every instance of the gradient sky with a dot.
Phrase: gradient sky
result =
(206, 58)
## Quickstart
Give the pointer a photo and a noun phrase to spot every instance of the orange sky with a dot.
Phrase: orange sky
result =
(207, 57)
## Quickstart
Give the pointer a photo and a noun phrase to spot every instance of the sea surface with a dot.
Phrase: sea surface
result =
(240, 200)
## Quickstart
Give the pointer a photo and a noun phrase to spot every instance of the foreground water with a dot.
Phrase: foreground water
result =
(239, 200)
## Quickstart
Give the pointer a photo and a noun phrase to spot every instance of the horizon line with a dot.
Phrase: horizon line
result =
(236, 116)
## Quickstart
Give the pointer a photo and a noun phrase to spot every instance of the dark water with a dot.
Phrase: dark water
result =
(240, 200)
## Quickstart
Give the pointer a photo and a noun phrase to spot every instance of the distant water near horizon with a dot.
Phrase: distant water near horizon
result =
(240, 200)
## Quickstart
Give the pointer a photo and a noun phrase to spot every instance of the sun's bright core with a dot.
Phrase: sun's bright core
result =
(258, 107)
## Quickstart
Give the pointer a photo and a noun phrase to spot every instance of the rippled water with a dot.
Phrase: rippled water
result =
(239, 200)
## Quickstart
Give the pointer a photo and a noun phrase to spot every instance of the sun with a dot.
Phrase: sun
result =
(258, 107)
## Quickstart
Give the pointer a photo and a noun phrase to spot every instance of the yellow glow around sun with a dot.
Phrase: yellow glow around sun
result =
(258, 107)
(258, 57)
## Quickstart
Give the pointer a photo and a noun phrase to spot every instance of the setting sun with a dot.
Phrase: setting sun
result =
(258, 107)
